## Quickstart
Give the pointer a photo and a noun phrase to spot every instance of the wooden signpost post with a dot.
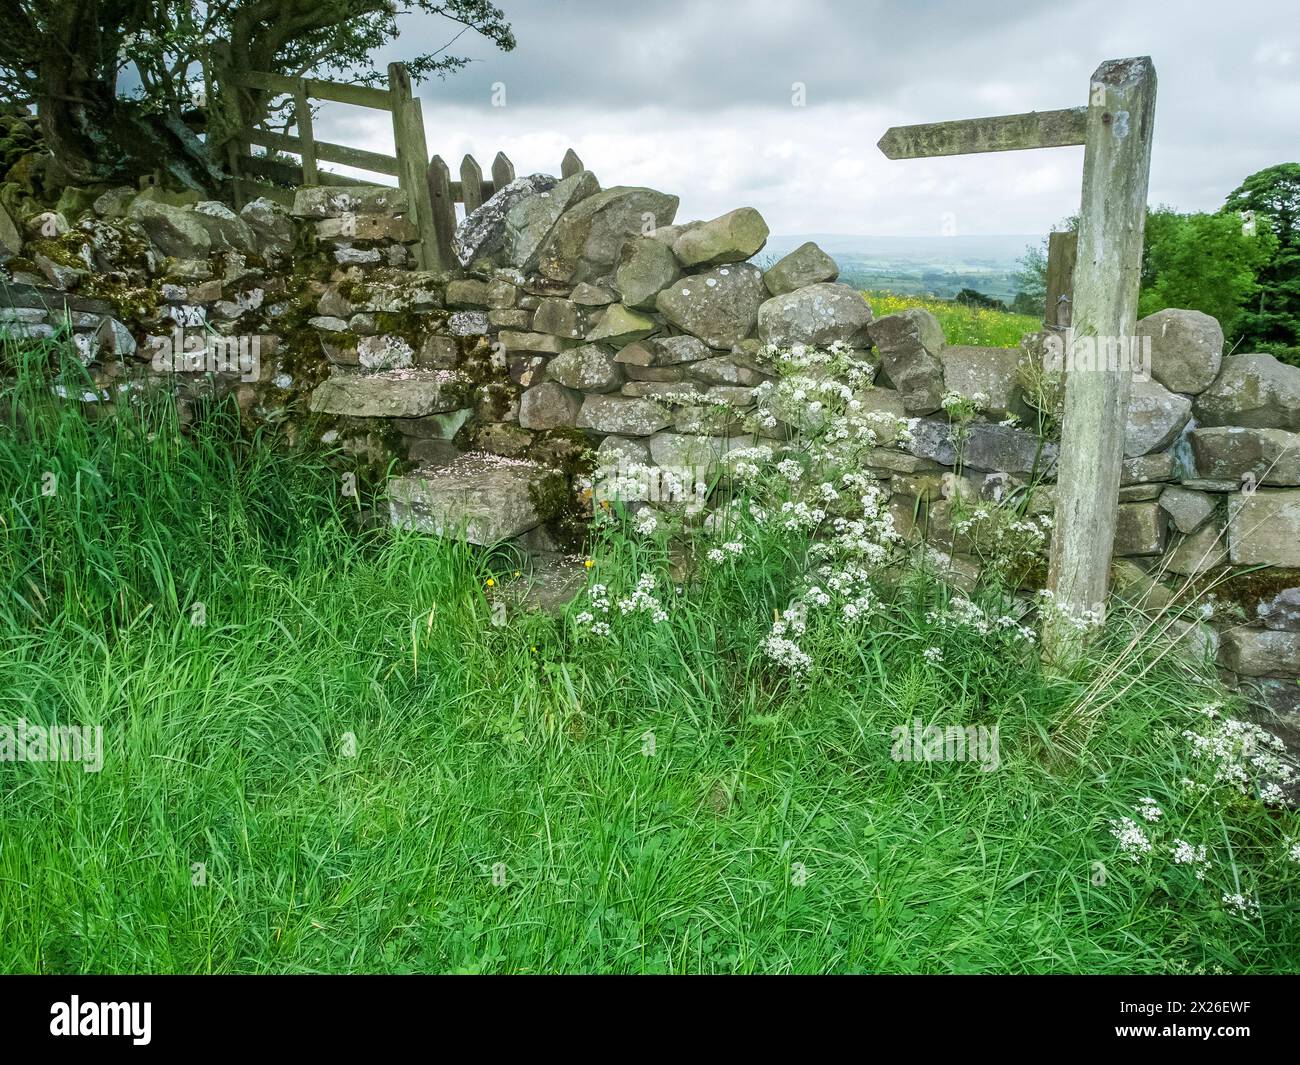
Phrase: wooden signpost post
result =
(1115, 130)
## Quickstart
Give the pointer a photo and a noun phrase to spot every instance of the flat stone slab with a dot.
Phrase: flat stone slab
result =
(481, 498)
(392, 394)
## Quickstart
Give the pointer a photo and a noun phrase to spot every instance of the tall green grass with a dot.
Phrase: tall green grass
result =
(349, 767)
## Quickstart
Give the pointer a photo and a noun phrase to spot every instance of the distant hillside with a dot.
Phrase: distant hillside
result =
(937, 266)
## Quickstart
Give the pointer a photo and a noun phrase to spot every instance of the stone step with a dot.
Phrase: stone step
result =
(480, 497)
(391, 394)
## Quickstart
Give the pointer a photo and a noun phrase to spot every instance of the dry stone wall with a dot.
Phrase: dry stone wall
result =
(588, 330)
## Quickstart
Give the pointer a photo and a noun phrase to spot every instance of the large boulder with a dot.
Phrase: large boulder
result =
(1155, 417)
(621, 325)
(395, 394)
(816, 314)
(483, 498)
(1231, 452)
(482, 233)
(173, 231)
(987, 446)
(585, 243)
(1254, 390)
(806, 265)
(1186, 348)
(720, 306)
(911, 346)
(531, 219)
(730, 238)
(645, 268)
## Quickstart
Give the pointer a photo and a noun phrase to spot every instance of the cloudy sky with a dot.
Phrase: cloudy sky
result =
(697, 97)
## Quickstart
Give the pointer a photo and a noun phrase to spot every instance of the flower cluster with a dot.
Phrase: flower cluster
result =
(1188, 854)
(596, 618)
(1241, 755)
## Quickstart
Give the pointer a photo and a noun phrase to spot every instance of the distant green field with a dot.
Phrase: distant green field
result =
(962, 324)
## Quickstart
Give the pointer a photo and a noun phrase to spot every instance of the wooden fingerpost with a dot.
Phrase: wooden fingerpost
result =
(444, 208)
(1115, 129)
(408, 139)
(471, 184)
(1116, 167)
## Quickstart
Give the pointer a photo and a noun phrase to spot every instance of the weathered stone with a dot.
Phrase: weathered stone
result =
(502, 295)
(1155, 417)
(530, 220)
(1261, 652)
(1199, 551)
(326, 323)
(226, 228)
(114, 338)
(621, 415)
(589, 368)
(806, 265)
(664, 351)
(481, 235)
(327, 201)
(1132, 584)
(560, 318)
(726, 370)
(622, 451)
(719, 306)
(1186, 348)
(270, 225)
(1142, 468)
(498, 438)
(434, 426)
(1140, 493)
(588, 295)
(667, 391)
(1140, 529)
(468, 323)
(816, 314)
(115, 202)
(620, 325)
(731, 395)
(437, 353)
(882, 458)
(1253, 390)
(654, 373)
(172, 230)
(527, 370)
(993, 372)
(1194, 642)
(987, 447)
(882, 409)
(729, 238)
(911, 346)
(366, 229)
(1231, 453)
(645, 268)
(1282, 611)
(395, 394)
(512, 318)
(702, 455)
(1264, 528)
(548, 406)
(11, 240)
(484, 499)
(585, 243)
(384, 353)
(1188, 510)
(469, 292)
